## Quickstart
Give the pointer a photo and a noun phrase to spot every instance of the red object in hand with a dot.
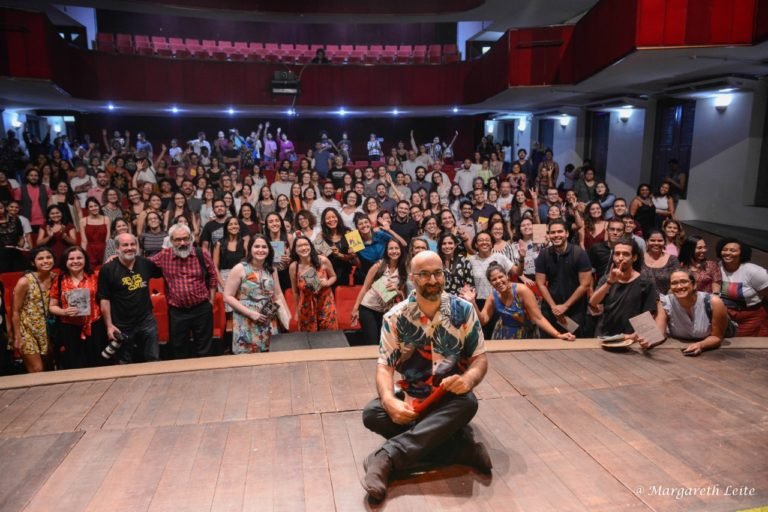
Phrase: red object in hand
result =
(436, 395)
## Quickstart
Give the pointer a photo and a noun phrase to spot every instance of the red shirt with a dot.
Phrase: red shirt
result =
(89, 282)
(185, 286)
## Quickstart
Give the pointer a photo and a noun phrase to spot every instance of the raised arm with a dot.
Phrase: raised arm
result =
(413, 144)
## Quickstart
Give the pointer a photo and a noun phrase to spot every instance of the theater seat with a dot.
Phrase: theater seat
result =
(219, 317)
(345, 301)
(288, 294)
(160, 311)
(9, 280)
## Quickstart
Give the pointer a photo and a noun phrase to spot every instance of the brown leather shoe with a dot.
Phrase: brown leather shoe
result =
(377, 467)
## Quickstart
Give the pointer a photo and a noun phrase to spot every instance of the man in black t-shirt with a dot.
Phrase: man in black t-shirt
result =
(125, 302)
(623, 291)
(214, 228)
(401, 224)
(563, 276)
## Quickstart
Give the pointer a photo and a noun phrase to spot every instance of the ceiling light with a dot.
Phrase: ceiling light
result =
(231, 111)
(522, 124)
(290, 112)
(341, 111)
(395, 112)
(625, 114)
(110, 106)
(722, 101)
(455, 110)
(564, 121)
(175, 110)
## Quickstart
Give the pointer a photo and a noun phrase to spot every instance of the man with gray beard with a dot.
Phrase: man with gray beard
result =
(125, 302)
(190, 288)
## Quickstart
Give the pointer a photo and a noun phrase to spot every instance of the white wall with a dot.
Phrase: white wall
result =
(625, 149)
(465, 30)
(724, 162)
(564, 145)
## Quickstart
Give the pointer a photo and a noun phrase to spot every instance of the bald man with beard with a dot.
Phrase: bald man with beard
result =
(435, 342)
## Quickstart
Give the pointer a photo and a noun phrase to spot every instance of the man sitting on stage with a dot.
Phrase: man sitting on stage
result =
(435, 341)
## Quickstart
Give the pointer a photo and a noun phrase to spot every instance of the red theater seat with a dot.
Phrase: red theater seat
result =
(9, 280)
(294, 326)
(160, 312)
(345, 300)
(219, 316)
(209, 43)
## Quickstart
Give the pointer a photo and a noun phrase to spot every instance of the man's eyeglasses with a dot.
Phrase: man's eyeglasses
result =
(424, 275)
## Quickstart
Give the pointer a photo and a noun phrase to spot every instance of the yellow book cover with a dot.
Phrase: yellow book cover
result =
(355, 241)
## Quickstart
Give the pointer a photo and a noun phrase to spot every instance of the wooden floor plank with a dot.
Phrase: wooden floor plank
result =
(69, 410)
(135, 474)
(320, 387)
(280, 391)
(263, 466)
(104, 407)
(132, 399)
(79, 476)
(259, 392)
(152, 403)
(318, 491)
(290, 492)
(342, 467)
(236, 406)
(301, 395)
(192, 405)
(174, 482)
(179, 387)
(27, 463)
(230, 484)
(216, 390)
(36, 402)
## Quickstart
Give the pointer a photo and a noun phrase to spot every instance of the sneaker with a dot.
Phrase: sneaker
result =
(377, 467)
(476, 456)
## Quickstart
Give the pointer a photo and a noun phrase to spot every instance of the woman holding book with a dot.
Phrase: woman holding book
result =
(80, 334)
(332, 235)
(281, 242)
(251, 288)
(312, 277)
(384, 285)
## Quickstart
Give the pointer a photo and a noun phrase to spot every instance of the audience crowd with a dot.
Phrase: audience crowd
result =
(277, 232)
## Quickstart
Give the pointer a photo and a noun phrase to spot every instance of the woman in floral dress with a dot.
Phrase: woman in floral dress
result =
(312, 278)
(250, 286)
(30, 310)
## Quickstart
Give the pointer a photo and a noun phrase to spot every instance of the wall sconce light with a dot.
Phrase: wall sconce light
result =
(522, 124)
(722, 101)
(564, 121)
(625, 114)
(16, 124)
(57, 128)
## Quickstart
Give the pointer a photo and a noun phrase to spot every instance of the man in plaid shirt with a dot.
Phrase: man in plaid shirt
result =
(190, 287)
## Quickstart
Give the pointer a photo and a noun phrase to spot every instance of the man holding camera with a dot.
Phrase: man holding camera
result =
(126, 305)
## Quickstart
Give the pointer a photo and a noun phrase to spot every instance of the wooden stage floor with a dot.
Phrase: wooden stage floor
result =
(579, 430)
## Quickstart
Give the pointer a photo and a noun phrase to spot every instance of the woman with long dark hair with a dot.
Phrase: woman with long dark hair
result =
(11, 242)
(250, 287)
(81, 334)
(693, 258)
(332, 231)
(230, 250)
(385, 284)
(247, 217)
(30, 311)
(458, 270)
(312, 279)
(643, 210)
(94, 230)
(278, 237)
(56, 234)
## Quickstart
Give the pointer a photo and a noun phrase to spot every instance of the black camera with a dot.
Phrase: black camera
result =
(113, 346)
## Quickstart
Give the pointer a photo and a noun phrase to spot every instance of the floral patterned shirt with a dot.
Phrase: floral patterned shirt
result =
(424, 350)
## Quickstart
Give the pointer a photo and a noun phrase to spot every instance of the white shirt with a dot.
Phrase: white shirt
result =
(76, 182)
(464, 179)
(320, 204)
(281, 187)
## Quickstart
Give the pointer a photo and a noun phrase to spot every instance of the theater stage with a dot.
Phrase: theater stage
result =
(573, 428)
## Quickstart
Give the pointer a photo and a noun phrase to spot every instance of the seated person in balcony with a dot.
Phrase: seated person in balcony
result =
(320, 57)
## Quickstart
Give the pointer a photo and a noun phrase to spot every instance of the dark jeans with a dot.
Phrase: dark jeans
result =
(141, 343)
(491, 325)
(437, 436)
(74, 352)
(198, 321)
(370, 321)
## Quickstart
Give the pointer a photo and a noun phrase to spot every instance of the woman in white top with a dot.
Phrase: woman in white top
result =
(686, 314)
(665, 205)
(351, 206)
(484, 256)
(745, 287)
